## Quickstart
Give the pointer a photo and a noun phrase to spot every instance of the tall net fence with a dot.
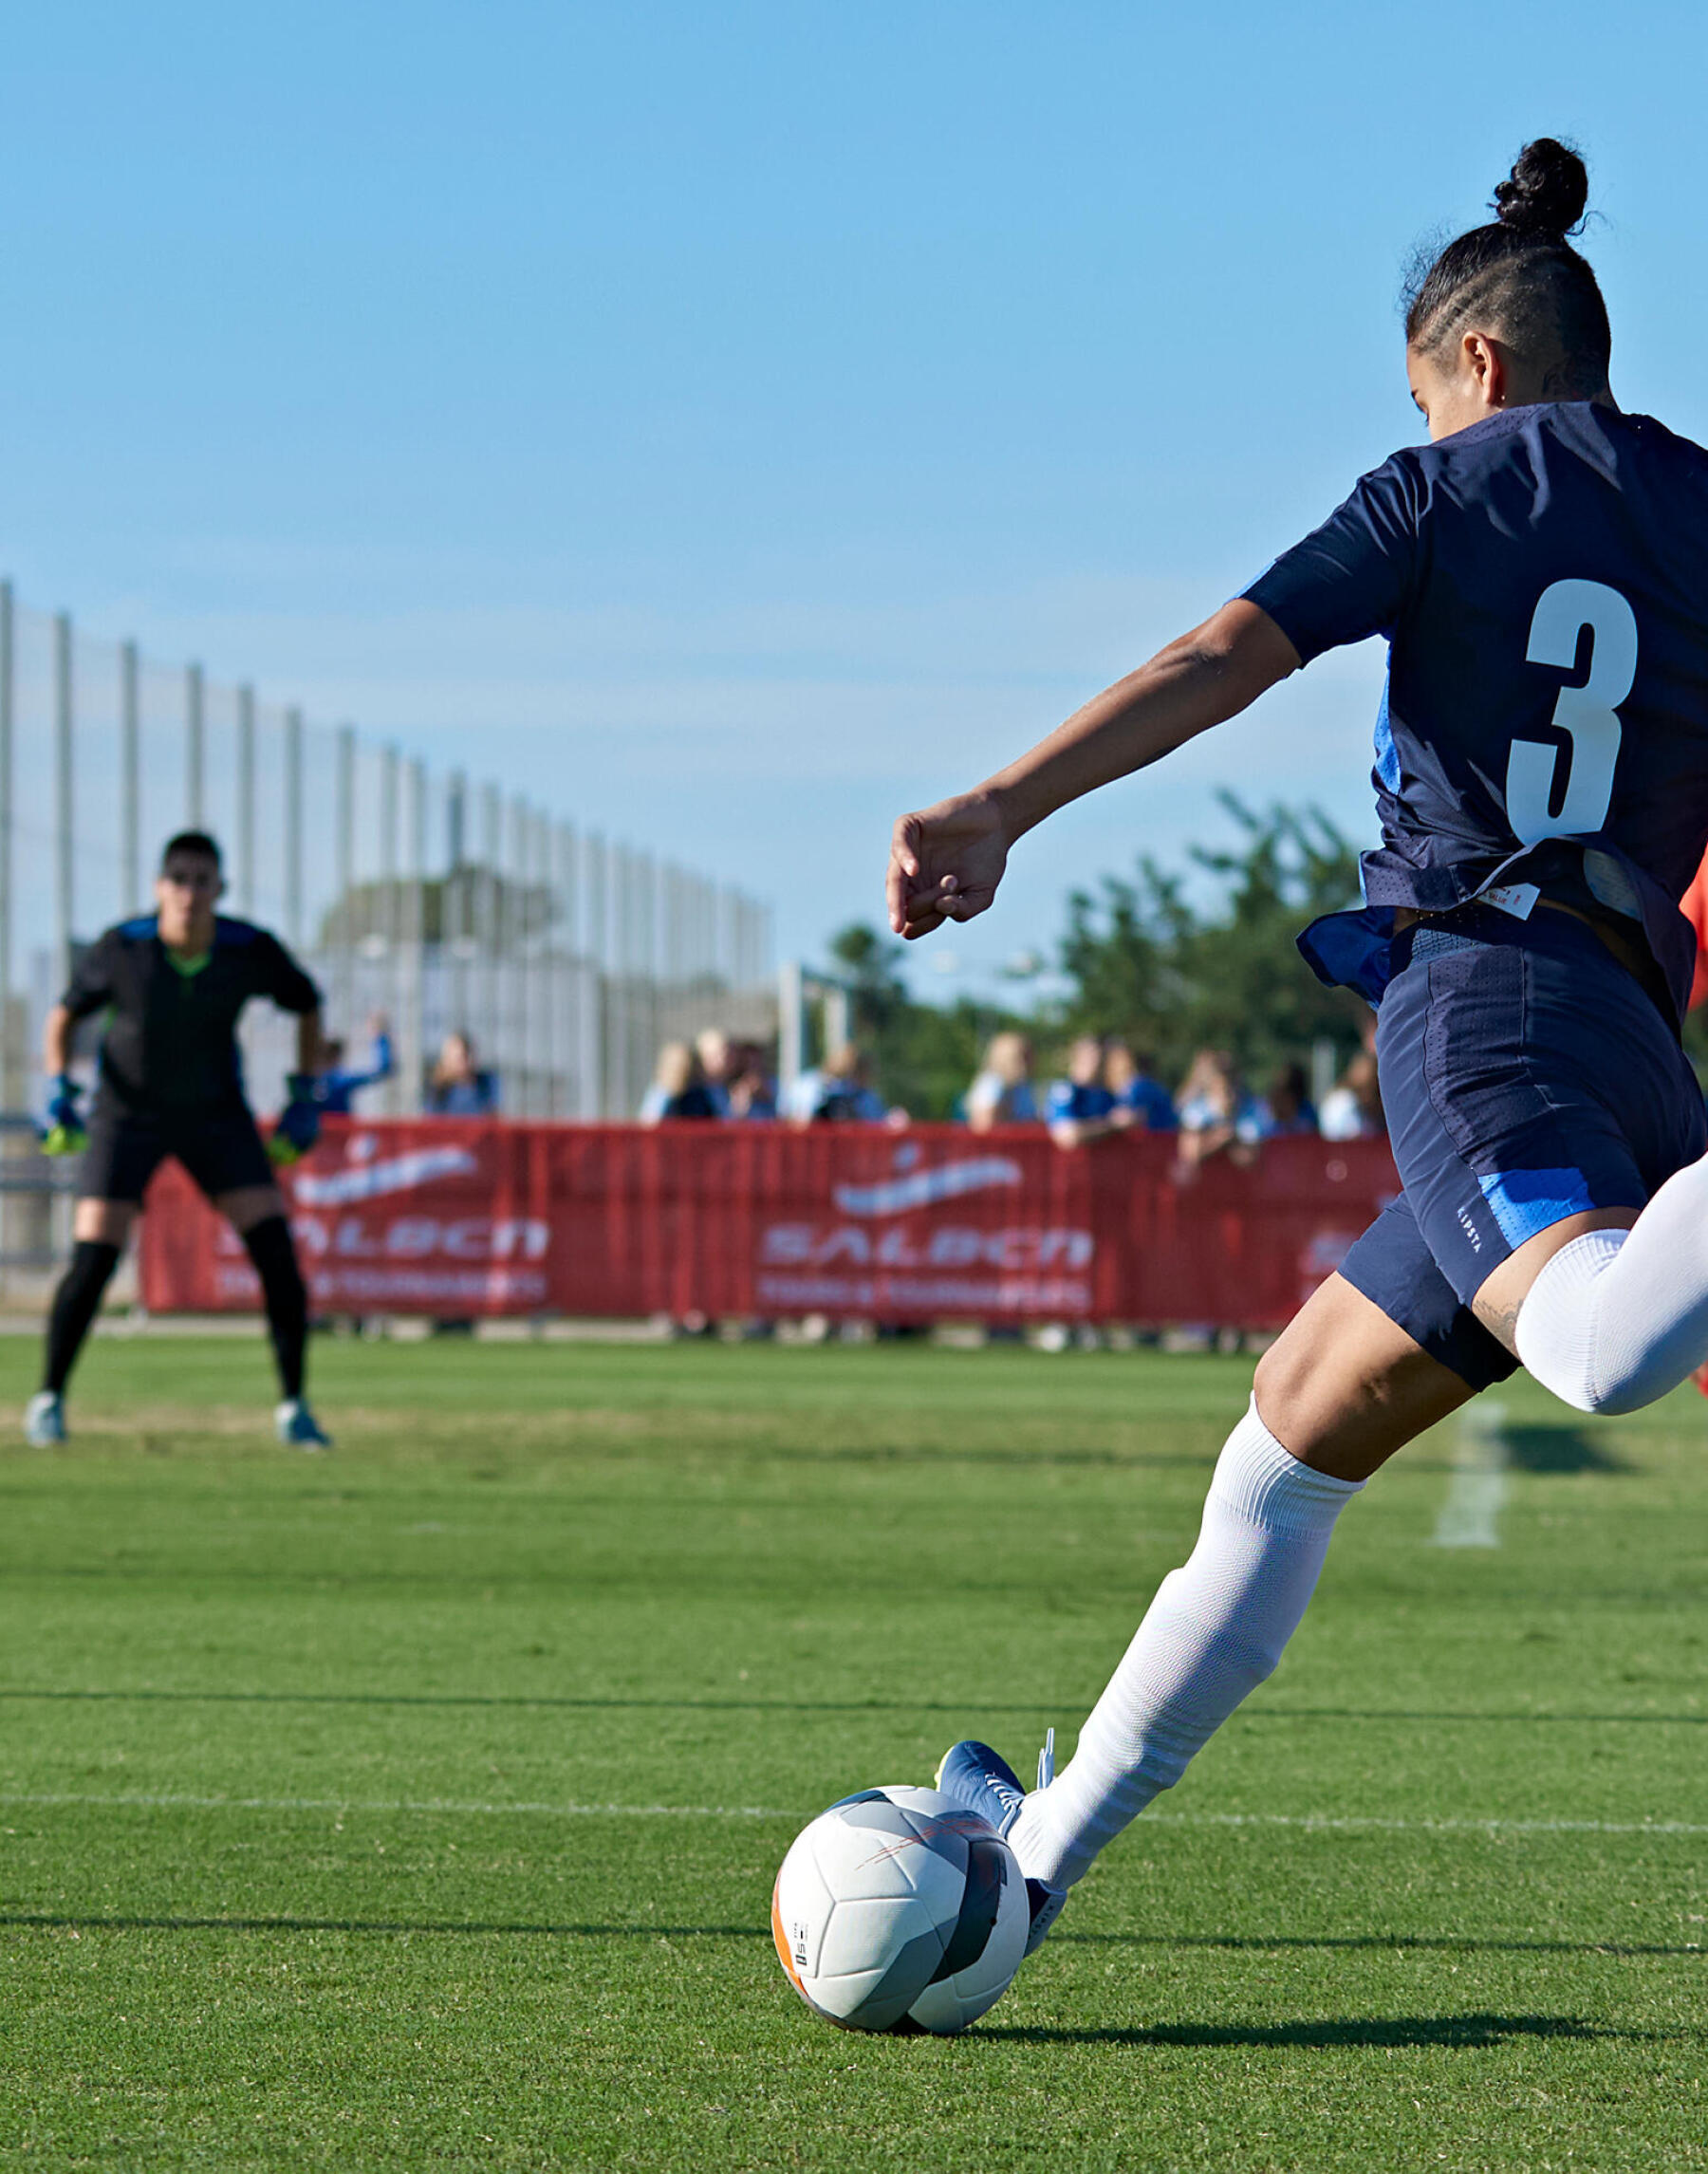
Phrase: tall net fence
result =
(437, 903)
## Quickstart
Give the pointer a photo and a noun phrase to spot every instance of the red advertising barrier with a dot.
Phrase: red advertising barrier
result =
(463, 1219)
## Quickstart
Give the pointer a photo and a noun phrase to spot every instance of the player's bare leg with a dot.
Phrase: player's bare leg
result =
(256, 1213)
(1344, 1387)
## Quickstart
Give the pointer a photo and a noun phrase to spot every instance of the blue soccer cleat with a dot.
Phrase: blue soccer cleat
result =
(982, 1780)
(297, 1427)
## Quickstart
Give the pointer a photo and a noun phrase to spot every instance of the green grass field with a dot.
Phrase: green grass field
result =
(418, 1805)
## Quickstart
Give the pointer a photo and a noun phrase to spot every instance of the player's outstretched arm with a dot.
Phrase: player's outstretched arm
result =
(56, 1041)
(947, 861)
(310, 1042)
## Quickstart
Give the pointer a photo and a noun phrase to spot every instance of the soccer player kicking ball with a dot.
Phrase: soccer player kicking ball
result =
(1540, 572)
(171, 1082)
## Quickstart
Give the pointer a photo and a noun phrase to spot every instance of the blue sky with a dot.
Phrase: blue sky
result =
(737, 424)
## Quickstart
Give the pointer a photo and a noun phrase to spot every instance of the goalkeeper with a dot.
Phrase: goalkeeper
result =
(173, 985)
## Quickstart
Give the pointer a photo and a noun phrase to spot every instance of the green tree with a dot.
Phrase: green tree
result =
(1146, 963)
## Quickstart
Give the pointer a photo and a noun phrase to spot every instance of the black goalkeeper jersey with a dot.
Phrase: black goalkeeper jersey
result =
(170, 1042)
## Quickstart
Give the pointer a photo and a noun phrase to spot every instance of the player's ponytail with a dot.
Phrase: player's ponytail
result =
(1520, 278)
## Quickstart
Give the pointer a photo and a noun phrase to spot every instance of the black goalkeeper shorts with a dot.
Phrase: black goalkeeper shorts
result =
(221, 1148)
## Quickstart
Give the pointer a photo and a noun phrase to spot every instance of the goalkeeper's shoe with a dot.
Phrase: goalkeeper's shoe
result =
(297, 1427)
(982, 1780)
(44, 1419)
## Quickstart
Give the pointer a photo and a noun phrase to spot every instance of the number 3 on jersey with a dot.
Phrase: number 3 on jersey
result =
(1589, 715)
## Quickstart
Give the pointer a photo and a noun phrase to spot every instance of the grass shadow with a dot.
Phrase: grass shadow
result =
(1407, 1943)
(1557, 1449)
(1386, 2032)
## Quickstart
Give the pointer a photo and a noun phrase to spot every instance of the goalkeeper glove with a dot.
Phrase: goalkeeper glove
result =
(65, 1132)
(299, 1122)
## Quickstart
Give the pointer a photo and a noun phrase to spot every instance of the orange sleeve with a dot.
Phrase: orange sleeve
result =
(1695, 907)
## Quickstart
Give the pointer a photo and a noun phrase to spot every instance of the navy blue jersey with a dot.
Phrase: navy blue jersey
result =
(170, 1041)
(1542, 582)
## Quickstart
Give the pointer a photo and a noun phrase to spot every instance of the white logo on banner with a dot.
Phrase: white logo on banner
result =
(948, 1182)
(373, 1181)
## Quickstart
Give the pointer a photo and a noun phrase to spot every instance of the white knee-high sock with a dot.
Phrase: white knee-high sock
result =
(1214, 1630)
(1617, 1318)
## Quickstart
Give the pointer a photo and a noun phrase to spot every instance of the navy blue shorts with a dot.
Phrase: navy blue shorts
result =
(1527, 1076)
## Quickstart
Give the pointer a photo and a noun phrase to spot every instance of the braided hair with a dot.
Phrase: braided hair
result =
(1520, 278)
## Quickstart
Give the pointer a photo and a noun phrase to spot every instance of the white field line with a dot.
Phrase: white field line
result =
(140, 1801)
(1471, 1516)
(1322, 1822)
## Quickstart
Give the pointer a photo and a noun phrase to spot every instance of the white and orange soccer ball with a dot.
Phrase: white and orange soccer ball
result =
(899, 1911)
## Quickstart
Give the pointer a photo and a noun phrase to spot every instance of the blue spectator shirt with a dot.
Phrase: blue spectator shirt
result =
(1152, 1101)
(1542, 582)
(1077, 1101)
(1009, 1102)
(333, 1090)
(477, 1097)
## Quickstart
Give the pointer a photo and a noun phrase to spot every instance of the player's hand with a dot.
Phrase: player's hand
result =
(65, 1132)
(945, 864)
(299, 1122)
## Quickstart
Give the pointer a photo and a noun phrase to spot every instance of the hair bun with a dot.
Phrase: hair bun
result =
(1545, 192)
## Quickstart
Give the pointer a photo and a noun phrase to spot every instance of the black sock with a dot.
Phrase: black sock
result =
(287, 1296)
(75, 1305)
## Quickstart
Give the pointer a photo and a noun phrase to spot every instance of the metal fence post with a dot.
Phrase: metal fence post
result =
(456, 918)
(515, 922)
(294, 826)
(598, 877)
(195, 746)
(593, 995)
(790, 1025)
(545, 965)
(486, 907)
(12, 1060)
(8, 683)
(245, 799)
(130, 778)
(388, 918)
(344, 931)
(415, 943)
(571, 1009)
(646, 1056)
(64, 827)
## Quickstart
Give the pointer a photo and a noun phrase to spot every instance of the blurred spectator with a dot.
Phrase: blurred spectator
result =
(716, 1054)
(1131, 1080)
(1352, 1110)
(457, 1086)
(336, 1085)
(1288, 1110)
(1218, 1113)
(1081, 1108)
(1003, 1092)
(679, 1087)
(837, 1092)
(753, 1092)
